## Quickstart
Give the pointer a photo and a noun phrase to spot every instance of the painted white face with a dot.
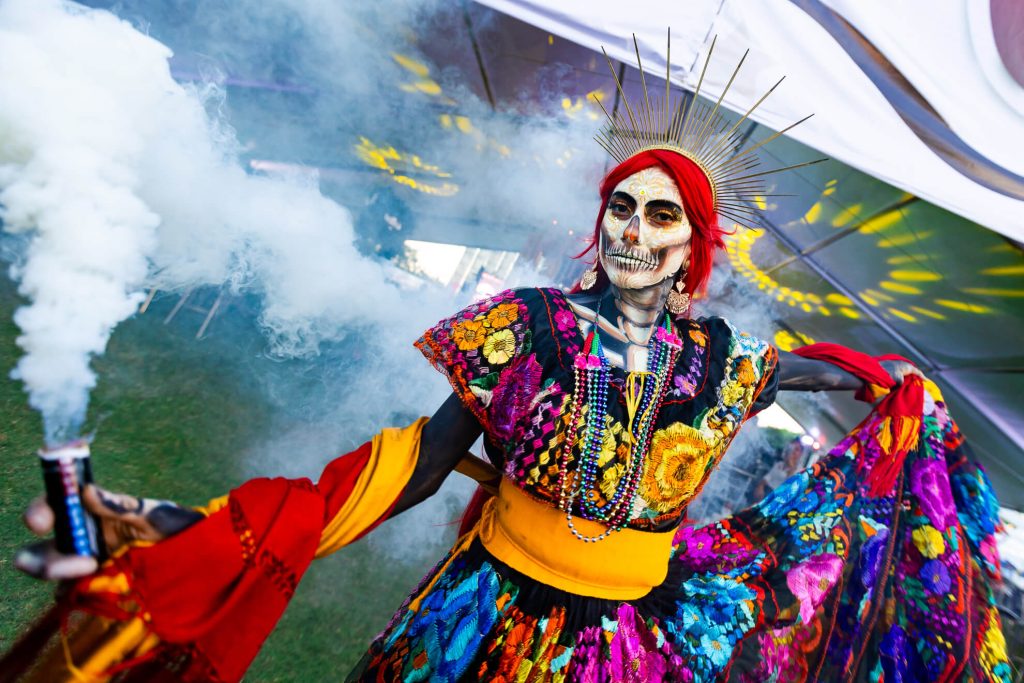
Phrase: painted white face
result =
(645, 235)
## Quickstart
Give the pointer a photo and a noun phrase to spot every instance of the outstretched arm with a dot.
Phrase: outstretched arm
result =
(242, 563)
(806, 374)
(444, 441)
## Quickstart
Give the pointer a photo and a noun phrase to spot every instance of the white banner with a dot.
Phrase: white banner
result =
(953, 135)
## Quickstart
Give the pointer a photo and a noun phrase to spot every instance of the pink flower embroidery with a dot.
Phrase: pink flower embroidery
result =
(811, 580)
(588, 361)
(634, 650)
(586, 662)
(669, 338)
(700, 546)
(990, 551)
(565, 321)
(510, 402)
(930, 483)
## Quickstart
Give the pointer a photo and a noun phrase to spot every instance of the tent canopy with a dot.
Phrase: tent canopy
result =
(907, 239)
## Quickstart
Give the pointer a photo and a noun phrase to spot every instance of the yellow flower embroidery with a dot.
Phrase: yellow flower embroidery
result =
(723, 427)
(503, 315)
(469, 334)
(612, 458)
(675, 466)
(929, 541)
(610, 480)
(610, 446)
(500, 346)
(733, 393)
(993, 648)
(698, 337)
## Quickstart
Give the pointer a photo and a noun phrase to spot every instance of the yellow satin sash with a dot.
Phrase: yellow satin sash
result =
(533, 537)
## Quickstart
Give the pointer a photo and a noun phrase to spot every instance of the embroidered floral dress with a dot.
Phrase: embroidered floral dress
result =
(817, 581)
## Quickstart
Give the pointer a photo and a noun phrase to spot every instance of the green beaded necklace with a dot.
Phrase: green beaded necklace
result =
(645, 392)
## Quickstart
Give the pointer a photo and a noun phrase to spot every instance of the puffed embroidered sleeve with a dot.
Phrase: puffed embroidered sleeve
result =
(751, 378)
(768, 387)
(481, 347)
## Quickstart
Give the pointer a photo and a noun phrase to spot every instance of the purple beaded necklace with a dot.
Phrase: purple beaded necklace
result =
(645, 392)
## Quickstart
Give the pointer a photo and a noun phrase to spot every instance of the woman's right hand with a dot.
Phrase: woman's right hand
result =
(122, 518)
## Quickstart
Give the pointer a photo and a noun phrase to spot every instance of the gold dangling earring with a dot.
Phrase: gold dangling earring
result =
(589, 277)
(678, 301)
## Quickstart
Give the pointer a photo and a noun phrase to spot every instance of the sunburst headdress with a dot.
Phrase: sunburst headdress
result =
(697, 131)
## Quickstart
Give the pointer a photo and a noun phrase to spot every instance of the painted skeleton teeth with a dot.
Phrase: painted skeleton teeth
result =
(630, 261)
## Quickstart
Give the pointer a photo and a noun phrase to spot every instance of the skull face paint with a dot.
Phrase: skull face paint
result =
(645, 235)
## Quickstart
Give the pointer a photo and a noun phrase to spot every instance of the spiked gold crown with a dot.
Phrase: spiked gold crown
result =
(697, 131)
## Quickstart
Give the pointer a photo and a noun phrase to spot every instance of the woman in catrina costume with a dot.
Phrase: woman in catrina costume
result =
(603, 411)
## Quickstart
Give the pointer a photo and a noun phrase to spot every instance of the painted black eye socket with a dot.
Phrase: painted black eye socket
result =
(663, 214)
(620, 209)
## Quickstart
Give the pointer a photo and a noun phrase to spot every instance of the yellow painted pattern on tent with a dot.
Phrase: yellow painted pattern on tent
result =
(935, 315)
(915, 275)
(583, 106)
(986, 291)
(839, 299)
(899, 287)
(787, 341)
(902, 315)
(844, 217)
(903, 240)
(738, 246)
(813, 213)
(1004, 270)
(964, 306)
(881, 222)
(880, 296)
(399, 166)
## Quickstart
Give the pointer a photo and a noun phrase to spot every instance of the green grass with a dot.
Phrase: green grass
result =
(172, 418)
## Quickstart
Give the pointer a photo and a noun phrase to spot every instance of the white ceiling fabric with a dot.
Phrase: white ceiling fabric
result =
(940, 50)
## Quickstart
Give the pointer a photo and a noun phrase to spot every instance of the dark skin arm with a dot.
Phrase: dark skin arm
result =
(444, 441)
(797, 373)
(122, 519)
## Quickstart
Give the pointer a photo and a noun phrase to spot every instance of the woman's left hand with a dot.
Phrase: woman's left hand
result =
(899, 369)
(123, 519)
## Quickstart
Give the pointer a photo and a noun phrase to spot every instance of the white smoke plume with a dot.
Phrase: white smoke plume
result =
(70, 158)
(118, 178)
(121, 180)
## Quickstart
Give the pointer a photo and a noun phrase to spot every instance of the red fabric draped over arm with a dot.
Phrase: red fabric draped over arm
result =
(213, 593)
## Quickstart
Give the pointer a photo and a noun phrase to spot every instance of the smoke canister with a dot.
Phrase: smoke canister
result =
(66, 470)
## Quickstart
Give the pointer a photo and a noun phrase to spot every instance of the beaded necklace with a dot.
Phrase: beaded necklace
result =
(645, 392)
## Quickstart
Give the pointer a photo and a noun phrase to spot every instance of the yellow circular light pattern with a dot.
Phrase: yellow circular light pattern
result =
(901, 282)
(738, 246)
(787, 340)
(907, 294)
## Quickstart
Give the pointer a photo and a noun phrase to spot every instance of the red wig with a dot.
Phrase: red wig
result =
(694, 188)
